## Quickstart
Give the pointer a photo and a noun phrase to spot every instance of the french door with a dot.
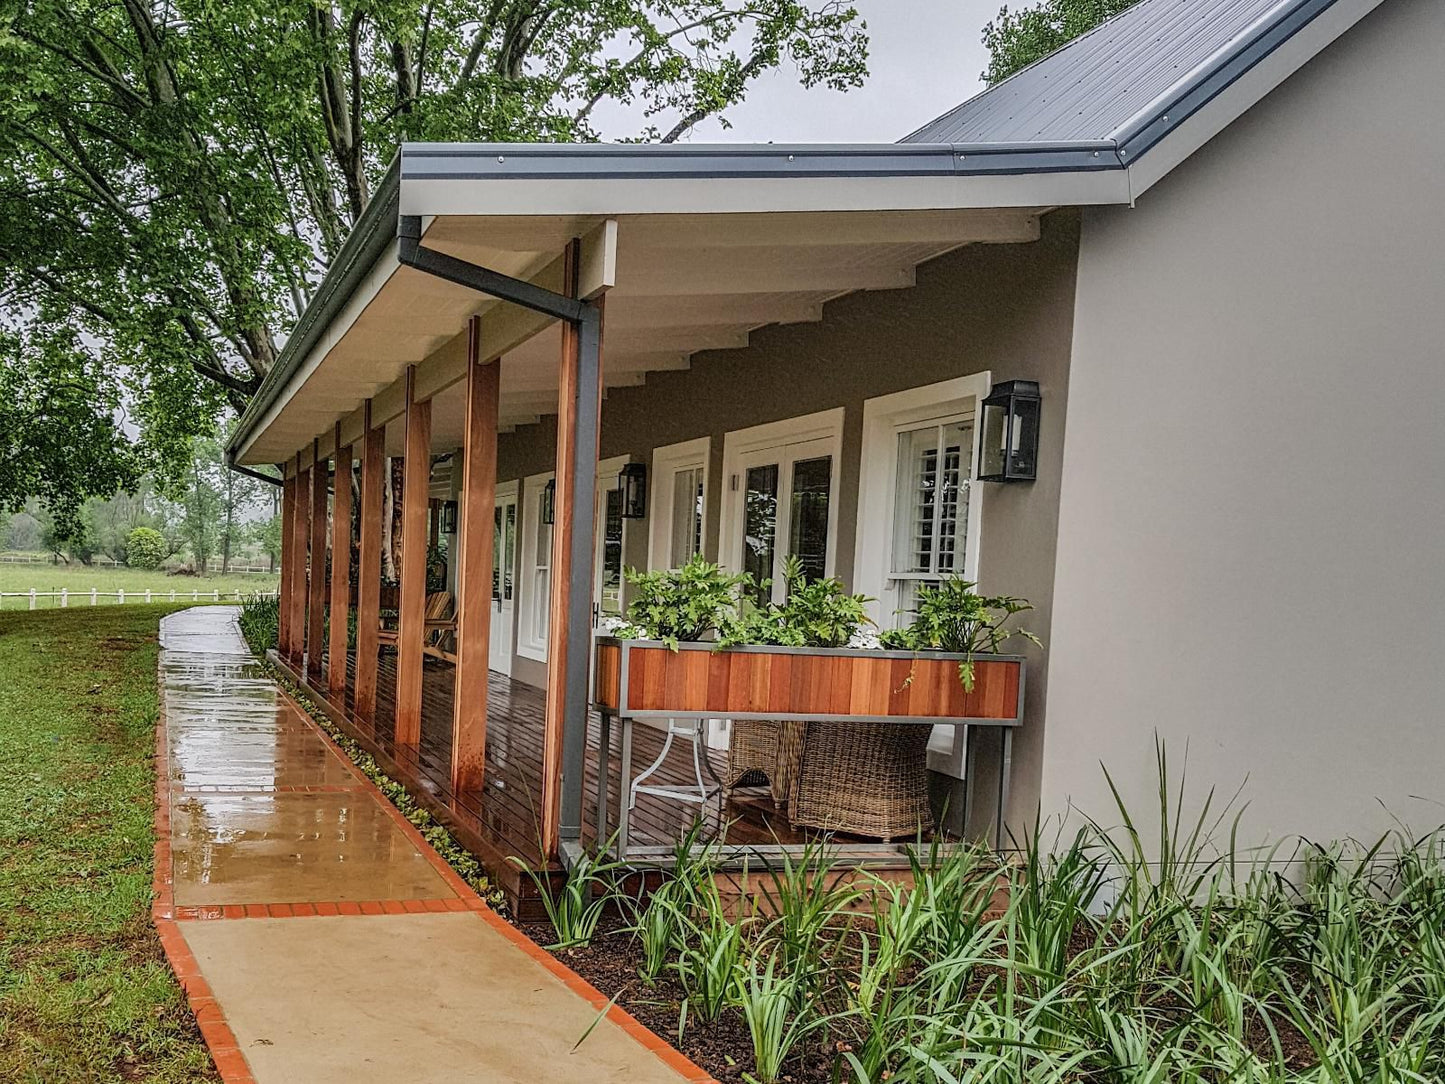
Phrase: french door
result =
(784, 506)
(504, 588)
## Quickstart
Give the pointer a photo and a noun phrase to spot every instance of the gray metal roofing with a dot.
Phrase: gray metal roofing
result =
(1118, 79)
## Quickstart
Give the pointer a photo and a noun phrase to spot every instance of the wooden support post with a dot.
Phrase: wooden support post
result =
(411, 625)
(340, 605)
(288, 566)
(296, 601)
(569, 625)
(477, 540)
(433, 523)
(368, 571)
(316, 584)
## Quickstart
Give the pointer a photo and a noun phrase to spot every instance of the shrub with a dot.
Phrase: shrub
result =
(683, 604)
(145, 547)
(816, 613)
(260, 616)
(953, 617)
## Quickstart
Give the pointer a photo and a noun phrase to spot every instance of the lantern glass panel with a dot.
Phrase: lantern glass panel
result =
(1024, 439)
(994, 440)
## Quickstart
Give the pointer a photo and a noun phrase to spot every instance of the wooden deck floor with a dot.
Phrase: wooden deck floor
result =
(500, 822)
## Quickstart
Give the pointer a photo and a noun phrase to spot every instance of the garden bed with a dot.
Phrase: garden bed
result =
(1188, 975)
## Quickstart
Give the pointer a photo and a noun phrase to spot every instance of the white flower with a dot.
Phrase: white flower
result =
(612, 625)
(865, 640)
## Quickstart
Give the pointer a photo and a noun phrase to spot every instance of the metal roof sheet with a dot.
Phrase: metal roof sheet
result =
(1113, 80)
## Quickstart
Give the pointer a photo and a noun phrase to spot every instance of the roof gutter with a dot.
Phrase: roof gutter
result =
(370, 238)
(624, 161)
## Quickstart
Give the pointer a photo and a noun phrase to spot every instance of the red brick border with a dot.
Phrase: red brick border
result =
(220, 1040)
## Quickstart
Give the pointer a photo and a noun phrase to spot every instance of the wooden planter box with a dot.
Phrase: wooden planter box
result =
(641, 678)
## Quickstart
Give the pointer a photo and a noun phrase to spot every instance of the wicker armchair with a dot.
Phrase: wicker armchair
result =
(760, 752)
(867, 779)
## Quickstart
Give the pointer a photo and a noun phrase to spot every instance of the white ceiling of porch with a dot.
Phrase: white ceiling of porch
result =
(683, 283)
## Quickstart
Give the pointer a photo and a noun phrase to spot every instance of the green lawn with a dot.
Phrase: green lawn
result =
(85, 991)
(79, 580)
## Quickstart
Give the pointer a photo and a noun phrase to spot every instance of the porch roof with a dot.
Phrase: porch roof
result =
(695, 247)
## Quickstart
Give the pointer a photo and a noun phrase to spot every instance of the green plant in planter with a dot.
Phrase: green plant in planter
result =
(816, 613)
(953, 617)
(683, 604)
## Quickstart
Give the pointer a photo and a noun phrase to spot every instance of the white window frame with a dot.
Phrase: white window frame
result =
(527, 595)
(666, 462)
(884, 418)
(824, 427)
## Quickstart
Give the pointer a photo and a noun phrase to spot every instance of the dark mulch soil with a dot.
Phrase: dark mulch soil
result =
(612, 962)
(722, 1047)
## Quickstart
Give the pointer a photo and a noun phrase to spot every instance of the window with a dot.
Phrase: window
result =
(780, 500)
(688, 496)
(930, 507)
(504, 552)
(916, 465)
(677, 504)
(536, 574)
(609, 585)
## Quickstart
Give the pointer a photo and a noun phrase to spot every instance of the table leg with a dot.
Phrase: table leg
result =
(624, 788)
(604, 776)
(1005, 769)
(970, 765)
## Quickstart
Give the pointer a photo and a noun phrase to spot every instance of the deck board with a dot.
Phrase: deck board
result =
(500, 820)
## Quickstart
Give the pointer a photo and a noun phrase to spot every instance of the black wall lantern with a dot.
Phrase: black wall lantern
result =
(549, 501)
(632, 480)
(1009, 433)
(449, 517)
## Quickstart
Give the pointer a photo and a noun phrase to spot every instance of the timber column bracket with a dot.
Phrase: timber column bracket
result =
(590, 269)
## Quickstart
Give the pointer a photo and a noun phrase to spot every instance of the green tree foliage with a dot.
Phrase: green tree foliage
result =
(59, 438)
(174, 177)
(1018, 38)
(145, 547)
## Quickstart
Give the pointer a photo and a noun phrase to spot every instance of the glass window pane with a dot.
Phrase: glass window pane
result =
(760, 517)
(497, 556)
(611, 589)
(509, 548)
(953, 451)
(687, 497)
(808, 517)
(913, 543)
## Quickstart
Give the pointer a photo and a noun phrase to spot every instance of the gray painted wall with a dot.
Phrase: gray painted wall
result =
(1004, 308)
(1254, 471)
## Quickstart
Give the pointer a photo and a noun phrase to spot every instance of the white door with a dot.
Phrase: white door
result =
(504, 580)
(783, 505)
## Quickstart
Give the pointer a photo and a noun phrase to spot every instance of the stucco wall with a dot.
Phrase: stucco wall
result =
(1003, 308)
(1254, 471)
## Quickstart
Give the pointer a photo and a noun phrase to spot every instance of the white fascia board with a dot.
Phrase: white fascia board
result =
(380, 274)
(642, 195)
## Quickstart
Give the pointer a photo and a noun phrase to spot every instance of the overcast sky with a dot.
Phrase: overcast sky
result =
(924, 58)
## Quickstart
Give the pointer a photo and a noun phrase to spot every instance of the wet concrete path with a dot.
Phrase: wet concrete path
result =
(323, 939)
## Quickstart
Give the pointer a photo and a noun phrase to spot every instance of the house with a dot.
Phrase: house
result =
(1208, 230)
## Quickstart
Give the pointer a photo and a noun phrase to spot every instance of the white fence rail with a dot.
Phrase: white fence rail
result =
(251, 568)
(67, 598)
